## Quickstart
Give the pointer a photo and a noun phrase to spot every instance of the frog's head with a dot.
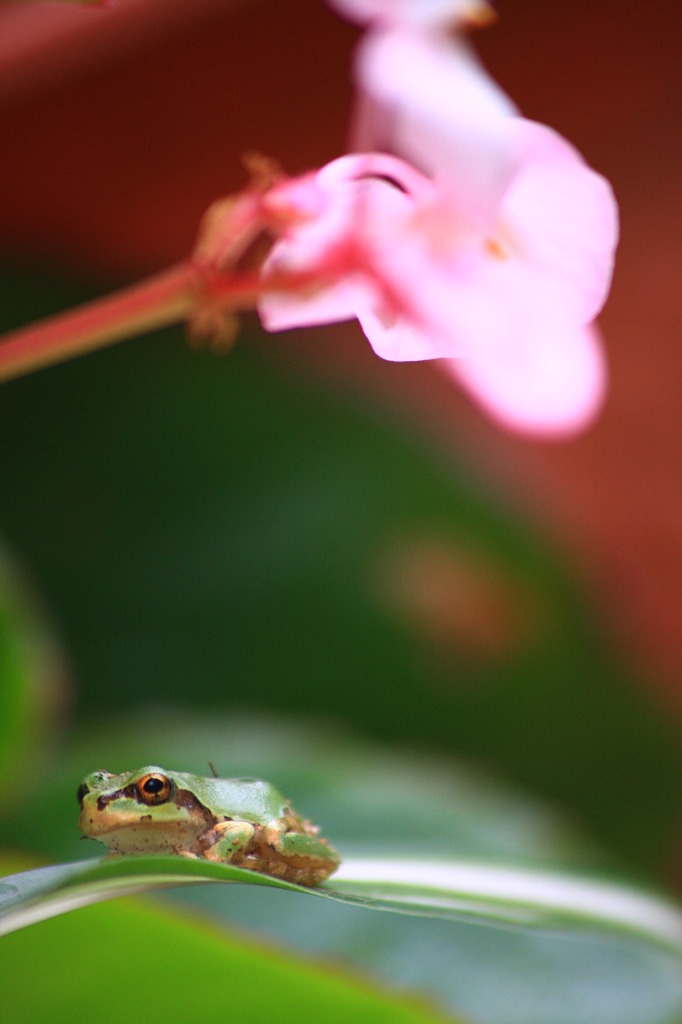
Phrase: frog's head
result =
(138, 812)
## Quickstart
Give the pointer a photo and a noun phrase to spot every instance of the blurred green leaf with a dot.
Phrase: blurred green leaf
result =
(385, 805)
(31, 682)
(221, 530)
(486, 972)
(592, 971)
(445, 889)
(137, 963)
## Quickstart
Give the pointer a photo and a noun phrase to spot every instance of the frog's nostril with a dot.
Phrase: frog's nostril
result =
(82, 790)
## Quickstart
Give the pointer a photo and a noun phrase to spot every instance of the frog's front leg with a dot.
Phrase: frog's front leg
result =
(298, 855)
(225, 842)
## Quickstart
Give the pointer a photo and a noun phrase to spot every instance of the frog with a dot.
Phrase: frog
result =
(244, 822)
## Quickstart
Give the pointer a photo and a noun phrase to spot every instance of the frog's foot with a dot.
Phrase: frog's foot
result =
(225, 842)
(296, 856)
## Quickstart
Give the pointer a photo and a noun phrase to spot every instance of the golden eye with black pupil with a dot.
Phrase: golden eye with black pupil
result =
(154, 789)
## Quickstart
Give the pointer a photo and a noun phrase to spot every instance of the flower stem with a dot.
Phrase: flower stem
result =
(160, 300)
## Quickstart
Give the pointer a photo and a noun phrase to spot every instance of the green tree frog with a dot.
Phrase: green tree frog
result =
(244, 822)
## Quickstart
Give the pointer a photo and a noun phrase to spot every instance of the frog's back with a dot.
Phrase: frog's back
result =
(241, 799)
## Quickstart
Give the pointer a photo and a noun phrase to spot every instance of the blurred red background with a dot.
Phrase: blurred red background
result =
(120, 127)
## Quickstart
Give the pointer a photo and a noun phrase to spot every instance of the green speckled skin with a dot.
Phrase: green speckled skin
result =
(245, 822)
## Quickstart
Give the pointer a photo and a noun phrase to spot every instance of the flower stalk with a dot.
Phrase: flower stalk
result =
(162, 299)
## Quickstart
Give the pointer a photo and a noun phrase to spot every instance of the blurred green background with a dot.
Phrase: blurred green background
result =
(212, 558)
(214, 531)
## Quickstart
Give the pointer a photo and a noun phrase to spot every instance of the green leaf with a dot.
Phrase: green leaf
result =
(608, 955)
(135, 963)
(440, 889)
(384, 805)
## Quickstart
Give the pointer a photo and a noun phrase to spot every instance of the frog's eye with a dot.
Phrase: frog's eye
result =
(154, 788)
(82, 790)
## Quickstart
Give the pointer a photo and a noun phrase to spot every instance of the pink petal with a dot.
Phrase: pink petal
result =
(330, 304)
(440, 110)
(338, 216)
(561, 216)
(307, 249)
(520, 349)
(550, 384)
(399, 338)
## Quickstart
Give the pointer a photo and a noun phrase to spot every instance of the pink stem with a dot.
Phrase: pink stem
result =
(164, 299)
(160, 300)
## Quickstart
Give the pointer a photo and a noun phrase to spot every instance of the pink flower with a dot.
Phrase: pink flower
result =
(496, 259)
(341, 220)
(551, 222)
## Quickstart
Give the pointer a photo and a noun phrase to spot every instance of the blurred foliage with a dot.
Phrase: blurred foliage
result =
(371, 800)
(368, 799)
(246, 568)
(217, 529)
(133, 962)
(31, 683)
(383, 802)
